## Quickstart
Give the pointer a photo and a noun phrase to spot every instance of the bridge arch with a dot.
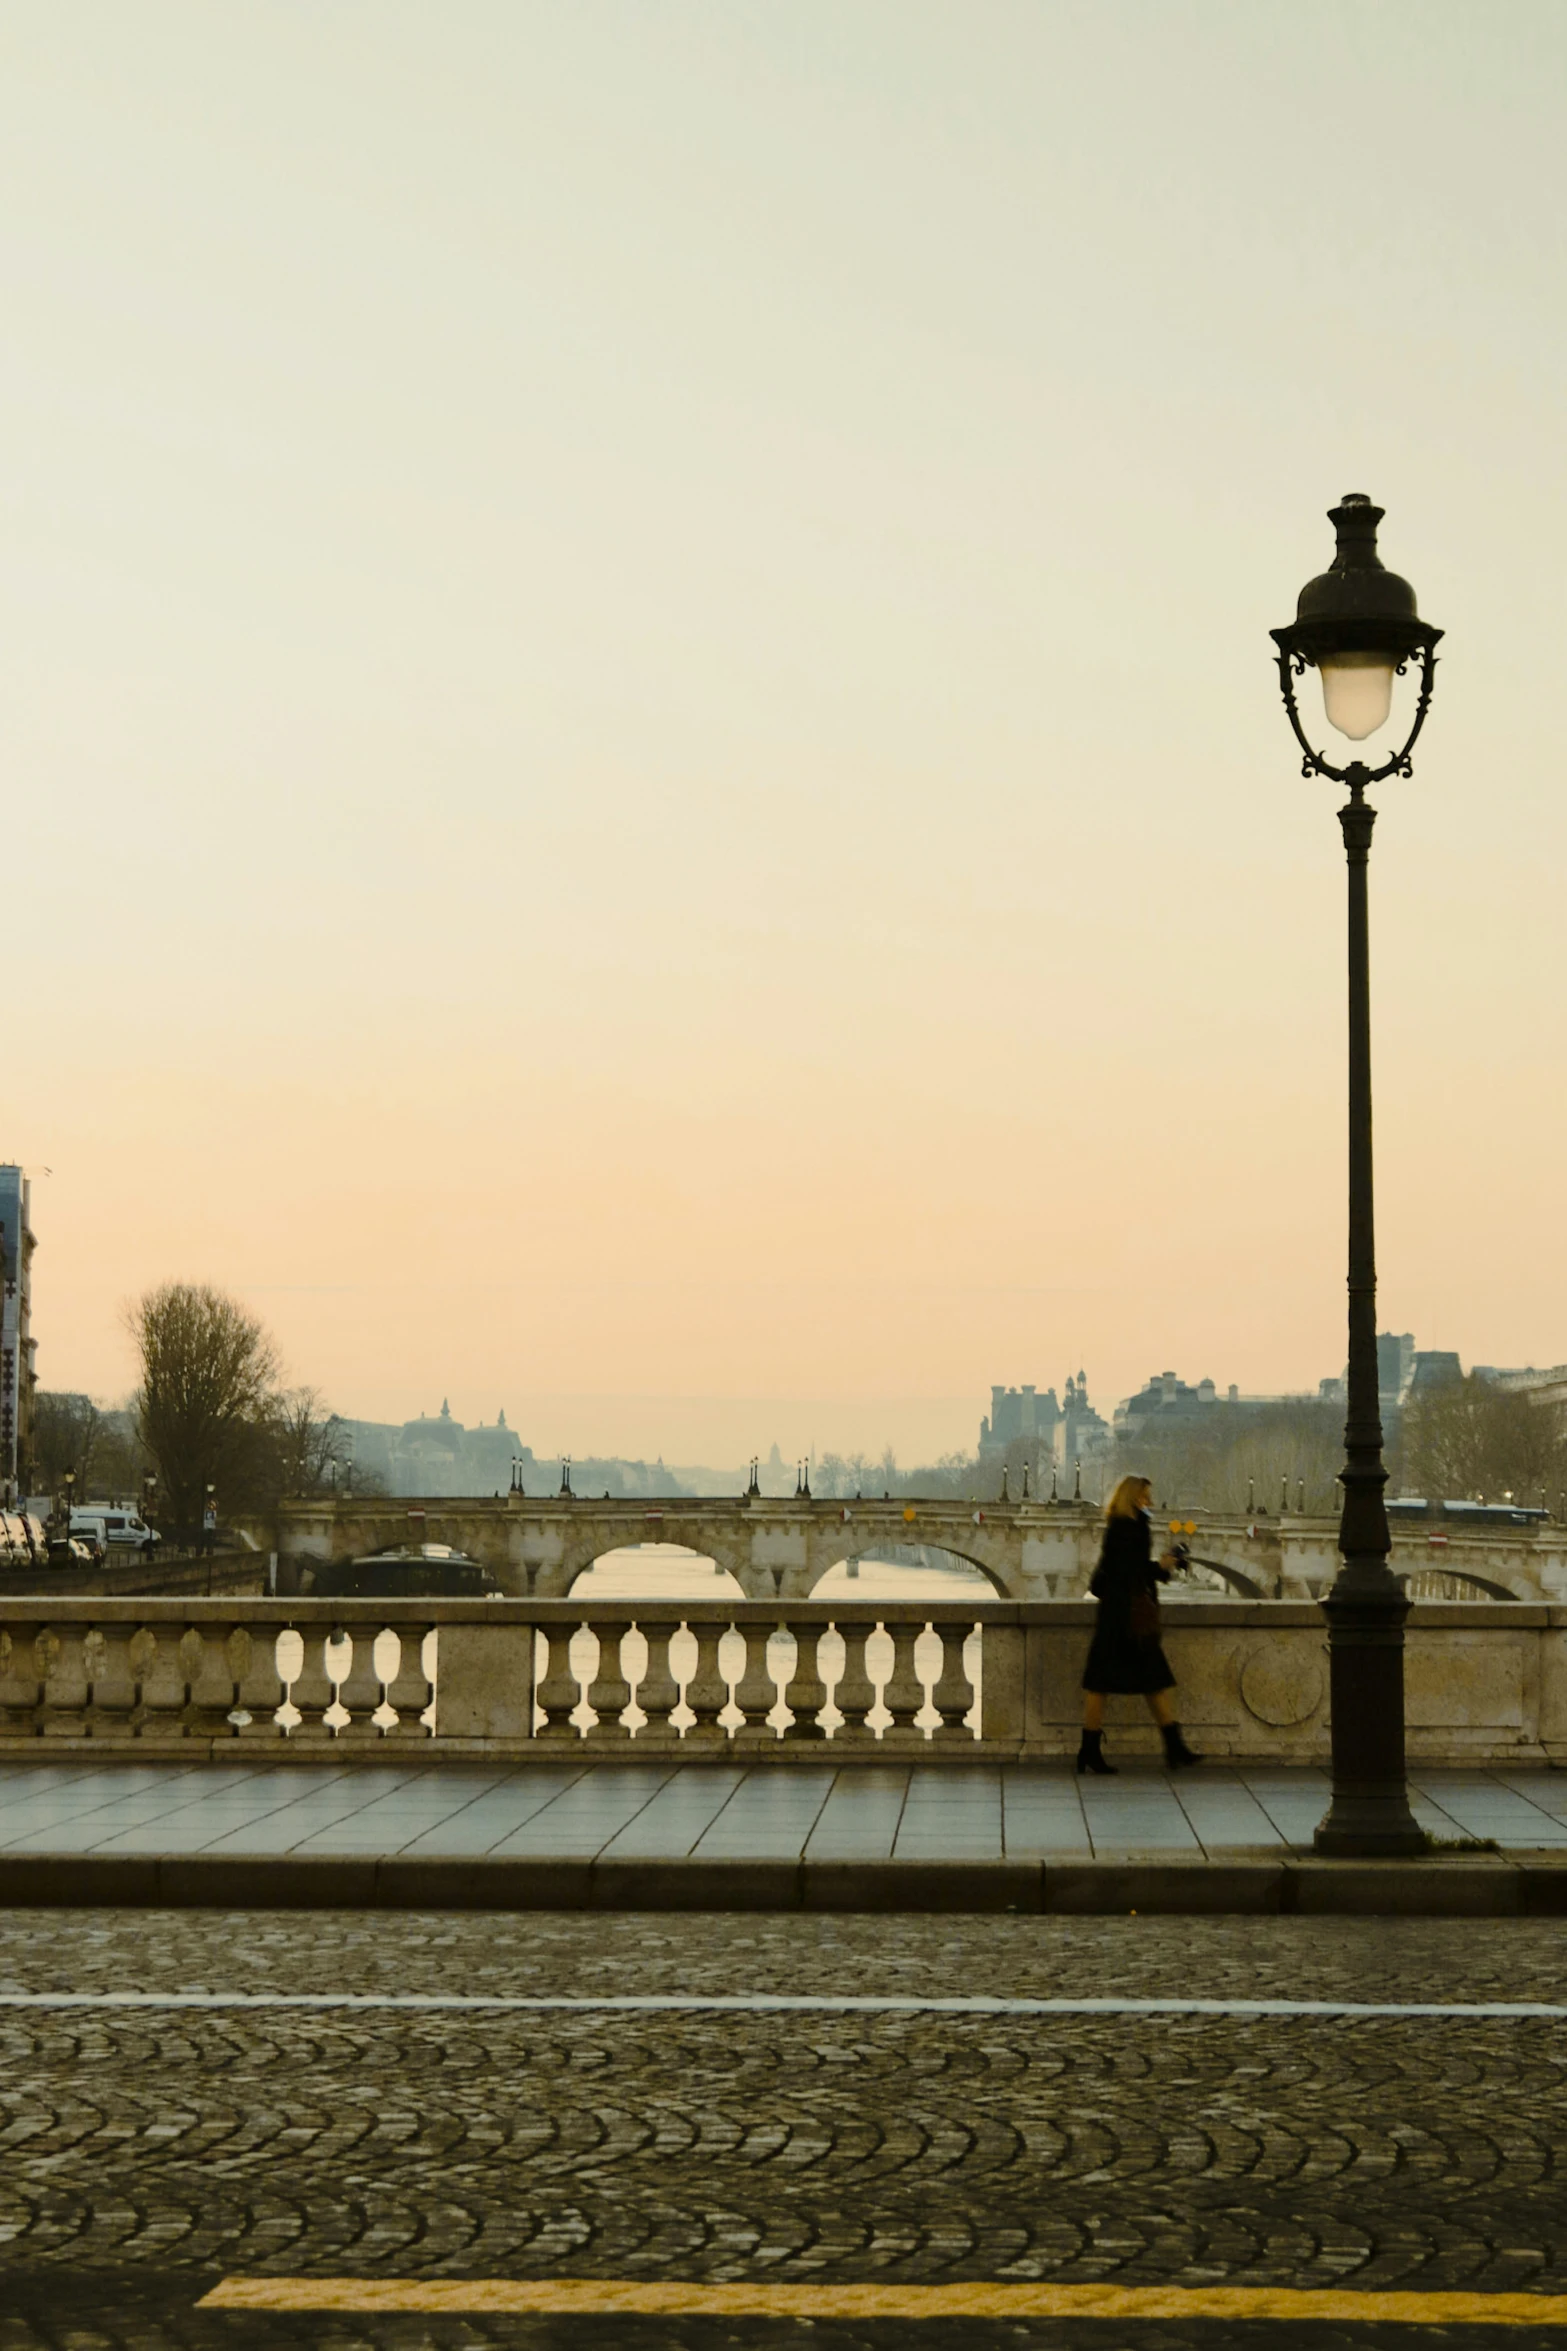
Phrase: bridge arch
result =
(1245, 1586)
(1425, 1583)
(655, 1570)
(907, 1579)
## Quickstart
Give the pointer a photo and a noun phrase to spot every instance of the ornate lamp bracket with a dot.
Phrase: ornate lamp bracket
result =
(1293, 665)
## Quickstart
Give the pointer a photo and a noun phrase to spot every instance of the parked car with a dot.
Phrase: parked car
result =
(87, 1528)
(118, 1528)
(69, 1551)
(22, 1541)
(420, 1571)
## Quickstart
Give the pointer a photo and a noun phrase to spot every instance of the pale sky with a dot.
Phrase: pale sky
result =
(643, 777)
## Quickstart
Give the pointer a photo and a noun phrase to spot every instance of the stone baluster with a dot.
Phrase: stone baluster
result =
(756, 1693)
(430, 1654)
(237, 1651)
(707, 1693)
(154, 1652)
(18, 1680)
(855, 1694)
(807, 1692)
(312, 1692)
(360, 1691)
(62, 1672)
(557, 1692)
(386, 1662)
(609, 1693)
(404, 1689)
(288, 1650)
(658, 1693)
(904, 1693)
(258, 1686)
(111, 1685)
(337, 1663)
(585, 1652)
(952, 1696)
(209, 1682)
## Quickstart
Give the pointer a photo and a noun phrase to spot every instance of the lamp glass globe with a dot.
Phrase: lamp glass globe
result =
(1357, 692)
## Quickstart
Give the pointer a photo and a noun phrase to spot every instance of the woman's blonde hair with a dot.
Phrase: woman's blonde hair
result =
(1129, 1498)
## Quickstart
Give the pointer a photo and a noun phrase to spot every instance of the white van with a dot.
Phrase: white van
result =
(117, 1529)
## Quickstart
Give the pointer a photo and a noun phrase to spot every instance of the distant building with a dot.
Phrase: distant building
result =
(1395, 1367)
(1403, 1370)
(1167, 1405)
(1167, 1402)
(1541, 1387)
(1019, 1416)
(1030, 1430)
(18, 1374)
(434, 1454)
(1083, 1437)
(1433, 1367)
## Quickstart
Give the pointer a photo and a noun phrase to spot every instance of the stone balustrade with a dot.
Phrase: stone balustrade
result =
(789, 1681)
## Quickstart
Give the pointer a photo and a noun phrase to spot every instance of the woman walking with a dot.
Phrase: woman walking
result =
(1125, 1653)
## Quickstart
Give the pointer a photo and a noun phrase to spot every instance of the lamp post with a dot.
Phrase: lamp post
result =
(1357, 624)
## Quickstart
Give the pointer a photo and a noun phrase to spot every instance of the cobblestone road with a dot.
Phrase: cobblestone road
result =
(145, 2154)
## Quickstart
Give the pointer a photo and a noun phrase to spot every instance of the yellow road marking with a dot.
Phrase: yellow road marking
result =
(601, 2297)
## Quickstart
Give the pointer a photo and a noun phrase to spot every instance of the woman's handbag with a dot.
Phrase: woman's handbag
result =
(1142, 1616)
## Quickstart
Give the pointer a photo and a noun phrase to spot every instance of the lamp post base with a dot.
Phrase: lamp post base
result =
(1369, 1816)
(1372, 1823)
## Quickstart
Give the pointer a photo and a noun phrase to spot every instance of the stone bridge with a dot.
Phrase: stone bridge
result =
(781, 1549)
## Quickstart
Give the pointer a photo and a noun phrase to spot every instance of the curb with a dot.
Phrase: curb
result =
(1457, 1888)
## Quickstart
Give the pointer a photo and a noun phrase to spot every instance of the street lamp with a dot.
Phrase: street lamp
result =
(1358, 627)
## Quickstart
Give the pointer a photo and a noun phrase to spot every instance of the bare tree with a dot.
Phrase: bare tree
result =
(209, 1374)
(309, 1443)
(1469, 1440)
(100, 1446)
(65, 1437)
(954, 1475)
(1236, 1456)
(1298, 1448)
(119, 1457)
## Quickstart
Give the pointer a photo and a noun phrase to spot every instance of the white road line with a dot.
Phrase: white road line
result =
(776, 2003)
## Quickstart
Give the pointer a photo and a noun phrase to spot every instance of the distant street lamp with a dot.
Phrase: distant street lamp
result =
(1357, 625)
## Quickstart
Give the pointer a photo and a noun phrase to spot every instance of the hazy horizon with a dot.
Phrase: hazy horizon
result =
(723, 1432)
(645, 769)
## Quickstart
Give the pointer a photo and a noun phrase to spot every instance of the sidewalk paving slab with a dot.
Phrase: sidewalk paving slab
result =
(733, 1832)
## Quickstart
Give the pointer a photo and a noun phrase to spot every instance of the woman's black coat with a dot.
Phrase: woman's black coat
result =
(1117, 1659)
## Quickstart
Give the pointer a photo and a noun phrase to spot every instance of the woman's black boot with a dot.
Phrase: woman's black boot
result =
(1091, 1755)
(1177, 1754)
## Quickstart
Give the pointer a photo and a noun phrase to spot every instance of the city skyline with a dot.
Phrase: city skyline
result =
(724, 1433)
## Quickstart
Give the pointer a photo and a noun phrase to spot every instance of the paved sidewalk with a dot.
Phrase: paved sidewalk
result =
(720, 1812)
